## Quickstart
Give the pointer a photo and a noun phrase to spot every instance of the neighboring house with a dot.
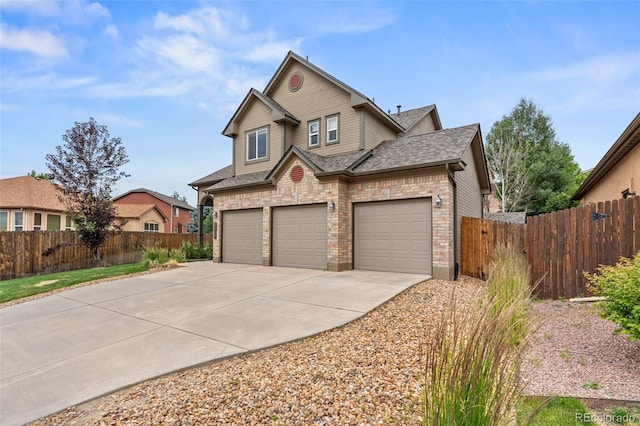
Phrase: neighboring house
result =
(140, 217)
(177, 212)
(617, 175)
(31, 204)
(321, 177)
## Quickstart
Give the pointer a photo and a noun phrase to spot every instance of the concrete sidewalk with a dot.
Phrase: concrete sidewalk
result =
(68, 348)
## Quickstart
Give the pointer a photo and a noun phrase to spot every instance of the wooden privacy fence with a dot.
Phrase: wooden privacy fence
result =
(38, 252)
(560, 247)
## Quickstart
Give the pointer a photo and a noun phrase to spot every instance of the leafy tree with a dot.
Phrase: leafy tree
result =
(33, 173)
(548, 164)
(207, 224)
(86, 168)
(177, 196)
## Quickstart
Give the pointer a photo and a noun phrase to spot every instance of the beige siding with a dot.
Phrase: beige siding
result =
(425, 125)
(468, 194)
(624, 175)
(258, 115)
(318, 98)
(376, 131)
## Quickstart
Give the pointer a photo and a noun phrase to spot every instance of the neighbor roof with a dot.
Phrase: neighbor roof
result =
(30, 193)
(430, 149)
(136, 210)
(625, 143)
(167, 199)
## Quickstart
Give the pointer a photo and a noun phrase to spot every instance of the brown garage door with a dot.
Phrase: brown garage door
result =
(242, 236)
(393, 236)
(300, 236)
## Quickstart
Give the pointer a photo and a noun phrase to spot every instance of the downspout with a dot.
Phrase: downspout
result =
(452, 179)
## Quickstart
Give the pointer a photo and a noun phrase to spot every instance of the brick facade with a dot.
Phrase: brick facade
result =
(311, 190)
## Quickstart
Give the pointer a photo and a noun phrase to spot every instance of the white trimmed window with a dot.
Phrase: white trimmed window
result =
(37, 221)
(176, 211)
(257, 144)
(314, 133)
(151, 227)
(18, 221)
(332, 129)
(68, 224)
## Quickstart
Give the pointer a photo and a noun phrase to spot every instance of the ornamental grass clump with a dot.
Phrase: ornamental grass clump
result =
(474, 355)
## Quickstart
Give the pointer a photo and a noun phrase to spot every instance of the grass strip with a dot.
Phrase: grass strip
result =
(28, 286)
(557, 411)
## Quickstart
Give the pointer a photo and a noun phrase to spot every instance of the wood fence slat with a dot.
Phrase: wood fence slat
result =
(36, 252)
(561, 246)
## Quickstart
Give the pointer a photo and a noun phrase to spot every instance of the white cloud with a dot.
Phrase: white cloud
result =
(39, 42)
(37, 7)
(599, 70)
(206, 20)
(111, 31)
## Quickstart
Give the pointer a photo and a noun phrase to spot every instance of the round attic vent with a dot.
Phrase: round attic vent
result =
(295, 81)
(297, 173)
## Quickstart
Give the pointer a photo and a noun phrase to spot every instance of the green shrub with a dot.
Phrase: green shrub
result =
(197, 251)
(620, 285)
(474, 355)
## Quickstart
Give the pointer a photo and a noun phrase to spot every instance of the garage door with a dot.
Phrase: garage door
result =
(393, 236)
(300, 236)
(242, 236)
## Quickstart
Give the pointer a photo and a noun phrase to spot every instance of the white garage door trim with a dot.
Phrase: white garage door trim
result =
(299, 236)
(393, 236)
(242, 236)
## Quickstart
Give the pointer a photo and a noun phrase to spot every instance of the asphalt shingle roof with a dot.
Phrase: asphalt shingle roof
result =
(167, 199)
(218, 175)
(29, 192)
(429, 148)
(411, 117)
(242, 180)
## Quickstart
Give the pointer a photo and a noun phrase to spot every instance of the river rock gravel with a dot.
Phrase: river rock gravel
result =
(367, 372)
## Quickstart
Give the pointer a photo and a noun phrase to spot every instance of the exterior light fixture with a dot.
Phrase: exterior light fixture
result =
(438, 201)
(215, 214)
(332, 206)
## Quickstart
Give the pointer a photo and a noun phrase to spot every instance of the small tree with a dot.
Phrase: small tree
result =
(85, 170)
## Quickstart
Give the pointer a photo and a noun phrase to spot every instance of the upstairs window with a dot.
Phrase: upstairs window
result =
(18, 221)
(257, 144)
(314, 133)
(151, 227)
(37, 221)
(176, 211)
(332, 129)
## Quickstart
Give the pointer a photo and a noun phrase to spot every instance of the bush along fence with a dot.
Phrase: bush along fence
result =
(40, 252)
(560, 247)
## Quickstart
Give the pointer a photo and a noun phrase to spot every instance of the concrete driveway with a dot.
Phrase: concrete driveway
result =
(68, 348)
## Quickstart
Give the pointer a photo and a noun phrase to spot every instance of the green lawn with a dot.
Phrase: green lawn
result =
(28, 286)
(557, 412)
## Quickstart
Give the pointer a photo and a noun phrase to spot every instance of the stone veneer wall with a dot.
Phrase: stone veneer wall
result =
(340, 232)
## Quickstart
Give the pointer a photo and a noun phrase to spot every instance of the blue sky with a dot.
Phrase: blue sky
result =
(166, 76)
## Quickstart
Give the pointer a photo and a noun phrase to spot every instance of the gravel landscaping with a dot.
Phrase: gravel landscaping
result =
(368, 371)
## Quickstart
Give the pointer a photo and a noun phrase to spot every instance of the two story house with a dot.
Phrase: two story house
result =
(174, 215)
(321, 177)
